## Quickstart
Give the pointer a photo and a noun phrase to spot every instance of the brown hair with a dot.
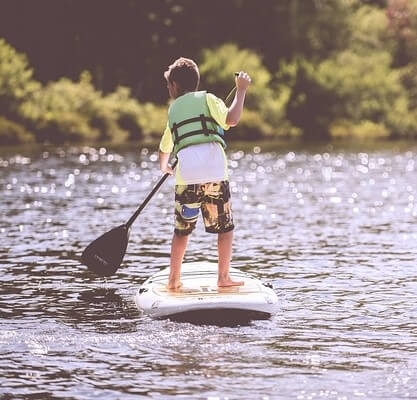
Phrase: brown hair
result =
(184, 72)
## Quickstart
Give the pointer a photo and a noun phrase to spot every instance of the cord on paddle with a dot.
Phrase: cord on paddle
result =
(230, 93)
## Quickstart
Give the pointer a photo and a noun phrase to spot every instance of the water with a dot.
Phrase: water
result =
(332, 228)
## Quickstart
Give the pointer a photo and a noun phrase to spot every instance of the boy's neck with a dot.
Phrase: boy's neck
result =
(183, 93)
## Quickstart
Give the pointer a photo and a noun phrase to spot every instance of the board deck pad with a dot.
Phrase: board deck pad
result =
(199, 291)
(206, 287)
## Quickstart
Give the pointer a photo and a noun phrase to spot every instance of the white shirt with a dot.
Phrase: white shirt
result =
(202, 163)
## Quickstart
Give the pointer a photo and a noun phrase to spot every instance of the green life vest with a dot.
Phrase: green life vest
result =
(191, 123)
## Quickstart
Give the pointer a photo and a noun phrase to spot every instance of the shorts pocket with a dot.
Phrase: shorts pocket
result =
(189, 213)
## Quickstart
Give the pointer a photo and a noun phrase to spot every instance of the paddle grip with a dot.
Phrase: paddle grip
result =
(150, 195)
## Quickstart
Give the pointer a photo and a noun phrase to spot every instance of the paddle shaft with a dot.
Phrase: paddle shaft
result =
(150, 195)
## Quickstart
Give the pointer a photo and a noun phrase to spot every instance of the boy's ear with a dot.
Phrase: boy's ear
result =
(177, 88)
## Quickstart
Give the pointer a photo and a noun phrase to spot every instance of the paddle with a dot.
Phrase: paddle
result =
(105, 254)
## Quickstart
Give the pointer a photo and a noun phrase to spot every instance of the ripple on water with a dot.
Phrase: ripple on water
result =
(333, 230)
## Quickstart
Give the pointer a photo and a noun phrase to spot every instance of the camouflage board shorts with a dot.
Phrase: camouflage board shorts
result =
(214, 201)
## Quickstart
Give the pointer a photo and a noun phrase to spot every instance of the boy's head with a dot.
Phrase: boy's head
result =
(183, 76)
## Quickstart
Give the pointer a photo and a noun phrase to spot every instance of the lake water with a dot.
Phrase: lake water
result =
(332, 227)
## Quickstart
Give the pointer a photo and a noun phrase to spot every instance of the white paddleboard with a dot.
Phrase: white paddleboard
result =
(199, 292)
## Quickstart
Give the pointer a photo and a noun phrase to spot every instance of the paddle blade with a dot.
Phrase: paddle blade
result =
(105, 254)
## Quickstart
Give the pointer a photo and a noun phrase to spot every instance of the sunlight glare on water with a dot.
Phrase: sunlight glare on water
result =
(333, 229)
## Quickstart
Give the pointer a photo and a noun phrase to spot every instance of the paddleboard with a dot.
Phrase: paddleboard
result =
(199, 293)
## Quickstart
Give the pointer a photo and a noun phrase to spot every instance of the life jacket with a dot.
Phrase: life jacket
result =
(190, 122)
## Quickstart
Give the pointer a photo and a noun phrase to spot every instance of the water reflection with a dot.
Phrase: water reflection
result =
(333, 229)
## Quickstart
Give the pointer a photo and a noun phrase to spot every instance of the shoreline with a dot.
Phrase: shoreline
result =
(365, 144)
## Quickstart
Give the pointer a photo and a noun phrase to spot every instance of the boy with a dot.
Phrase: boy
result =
(194, 133)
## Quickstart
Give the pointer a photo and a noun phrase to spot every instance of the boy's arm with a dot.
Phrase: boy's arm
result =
(163, 163)
(165, 148)
(235, 110)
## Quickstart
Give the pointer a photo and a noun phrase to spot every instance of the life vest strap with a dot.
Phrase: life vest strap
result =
(201, 118)
(205, 130)
(196, 132)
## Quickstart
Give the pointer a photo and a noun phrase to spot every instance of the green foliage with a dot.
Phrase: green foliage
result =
(13, 133)
(342, 129)
(356, 89)
(153, 119)
(319, 28)
(66, 111)
(351, 88)
(409, 81)
(265, 103)
(402, 17)
(219, 65)
(369, 31)
(251, 127)
(366, 88)
(319, 68)
(310, 103)
(75, 111)
(125, 112)
(16, 82)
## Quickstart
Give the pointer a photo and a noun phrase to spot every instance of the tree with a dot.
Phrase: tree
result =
(16, 82)
(402, 17)
(265, 103)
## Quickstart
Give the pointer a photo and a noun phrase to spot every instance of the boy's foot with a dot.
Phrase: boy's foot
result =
(180, 289)
(228, 282)
(174, 287)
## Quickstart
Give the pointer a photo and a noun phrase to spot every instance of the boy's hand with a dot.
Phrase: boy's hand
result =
(167, 170)
(243, 81)
(163, 163)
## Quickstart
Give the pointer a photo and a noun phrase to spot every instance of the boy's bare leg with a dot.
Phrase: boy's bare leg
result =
(178, 246)
(224, 247)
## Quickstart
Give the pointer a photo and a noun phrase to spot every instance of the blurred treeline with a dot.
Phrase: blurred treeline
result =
(73, 70)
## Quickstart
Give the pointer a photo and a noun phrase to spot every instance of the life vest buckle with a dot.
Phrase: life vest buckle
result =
(204, 124)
